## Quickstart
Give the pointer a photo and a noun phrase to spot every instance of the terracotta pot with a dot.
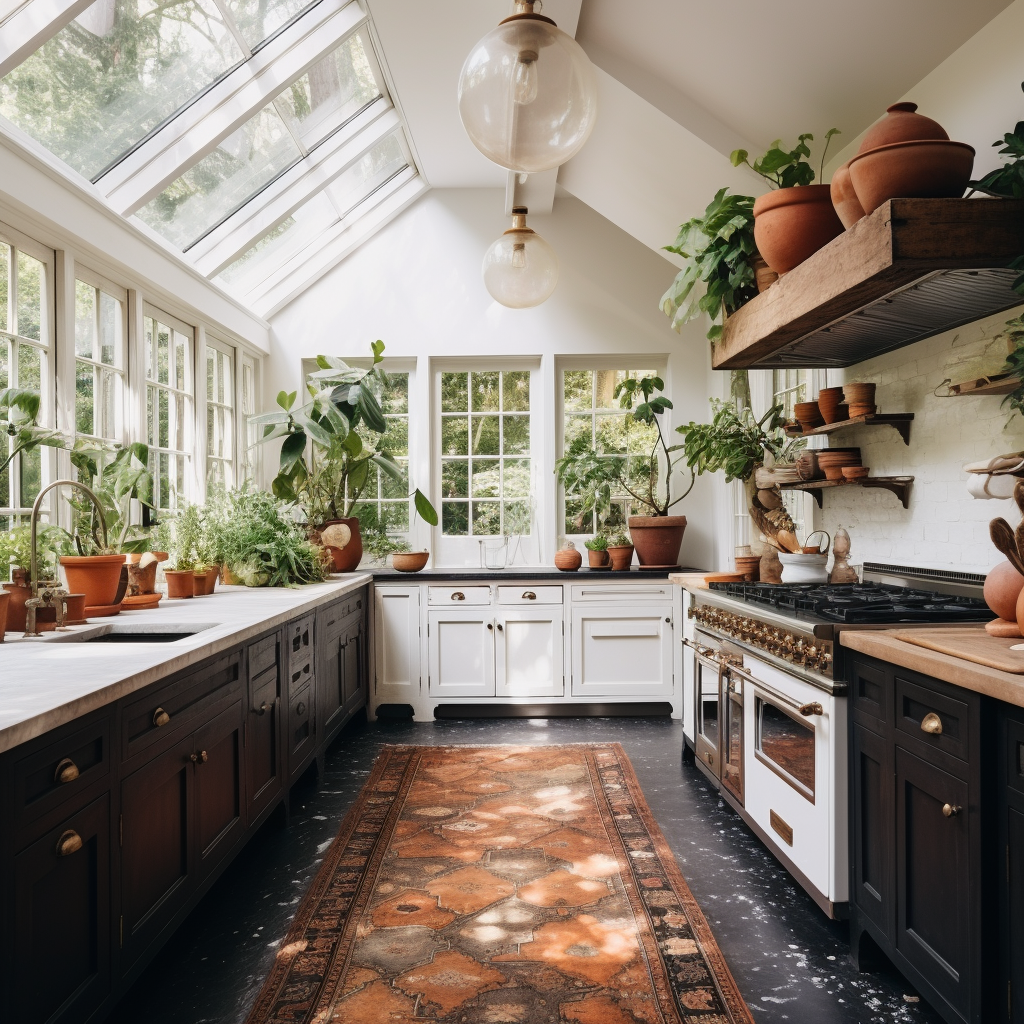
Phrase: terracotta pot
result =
(791, 224)
(348, 556)
(858, 394)
(911, 170)
(568, 559)
(199, 582)
(1003, 586)
(621, 557)
(211, 579)
(809, 415)
(1019, 616)
(597, 559)
(855, 472)
(228, 578)
(74, 613)
(844, 197)
(763, 274)
(829, 400)
(903, 124)
(861, 410)
(141, 581)
(96, 576)
(807, 465)
(657, 539)
(180, 583)
(749, 566)
(409, 561)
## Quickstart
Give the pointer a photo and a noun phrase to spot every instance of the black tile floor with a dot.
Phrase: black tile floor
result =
(791, 963)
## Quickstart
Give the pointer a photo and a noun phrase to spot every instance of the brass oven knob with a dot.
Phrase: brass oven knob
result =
(787, 643)
(811, 655)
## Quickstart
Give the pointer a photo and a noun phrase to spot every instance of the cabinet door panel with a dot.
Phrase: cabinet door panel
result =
(871, 781)
(219, 796)
(620, 652)
(529, 653)
(263, 741)
(352, 666)
(396, 637)
(61, 964)
(460, 652)
(156, 845)
(330, 684)
(933, 876)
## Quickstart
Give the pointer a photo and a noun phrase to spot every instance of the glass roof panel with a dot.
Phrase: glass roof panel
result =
(331, 91)
(259, 19)
(8, 7)
(107, 79)
(351, 187)
(223, 180)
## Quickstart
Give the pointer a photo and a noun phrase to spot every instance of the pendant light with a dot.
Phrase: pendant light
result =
(520, 269)
(528, 93)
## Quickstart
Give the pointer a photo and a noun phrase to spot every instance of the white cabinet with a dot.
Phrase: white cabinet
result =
(460, 652)
(529, 652)
(622, 653)
(396, 646)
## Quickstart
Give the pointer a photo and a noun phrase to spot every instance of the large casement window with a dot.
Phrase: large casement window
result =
(101, 357)
(26, 361)
(249, 434)
(485, 452)
(220, 414)
(170, 413)
(591, 411)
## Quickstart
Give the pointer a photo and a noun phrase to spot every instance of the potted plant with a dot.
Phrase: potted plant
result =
(718, 251)
(16, 559)
(187, 538)
(648, 481)
(620, 551)
(597, 551)
(797, 218)
(325, 461)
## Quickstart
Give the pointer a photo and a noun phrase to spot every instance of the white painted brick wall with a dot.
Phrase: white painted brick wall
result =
(944, 528)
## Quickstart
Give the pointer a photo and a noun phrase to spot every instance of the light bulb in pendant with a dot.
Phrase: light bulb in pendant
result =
(521, 269)
(524, 83)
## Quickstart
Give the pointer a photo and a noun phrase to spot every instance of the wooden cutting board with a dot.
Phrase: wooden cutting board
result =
(971, 643)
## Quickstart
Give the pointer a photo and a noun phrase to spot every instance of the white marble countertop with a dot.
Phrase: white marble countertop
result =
(48, 682)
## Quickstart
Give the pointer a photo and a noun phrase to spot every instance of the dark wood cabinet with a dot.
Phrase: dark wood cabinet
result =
(1008, 865)
(919, 885)
(263, 736)
(340, 674)
(219, 788)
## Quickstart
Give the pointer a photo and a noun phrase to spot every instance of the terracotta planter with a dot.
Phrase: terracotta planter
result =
(409, 561)
(180, 583)
(621, 557)
(211, 580)
(200, 582)
(791, 224)
(1003, 585)
(829, 400)
(657, 539)
(228, 578)
(96, 576)
(74, 613)
(597, 559)
(903, 124)
(5, 600)
(911, 170)
(568, 559)
(844, 197)
(749, 566)
(346, 557)
(809, 415)
(141, 580)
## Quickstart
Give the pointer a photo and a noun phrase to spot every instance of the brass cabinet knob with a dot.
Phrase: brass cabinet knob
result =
(201, 758)
(70, 842)
(66, 771)
(951, 810)
(458, 596)
(160, 717)
(813, 708)
(262, 709)
(529, 595)
(931, 724)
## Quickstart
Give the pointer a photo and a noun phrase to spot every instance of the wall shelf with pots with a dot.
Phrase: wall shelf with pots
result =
(910, 270)
(997, 384)
(899, 421)
(899, 485)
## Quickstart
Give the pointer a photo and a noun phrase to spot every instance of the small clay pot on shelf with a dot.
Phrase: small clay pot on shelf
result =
(621, 556)
(568, 559)
(597, 559)
(180, 583)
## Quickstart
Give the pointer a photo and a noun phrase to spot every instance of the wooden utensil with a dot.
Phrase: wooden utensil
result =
(788, 541)
(1006, 542)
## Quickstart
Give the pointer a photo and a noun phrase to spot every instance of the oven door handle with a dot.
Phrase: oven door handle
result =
(701, 650)
(807, 710)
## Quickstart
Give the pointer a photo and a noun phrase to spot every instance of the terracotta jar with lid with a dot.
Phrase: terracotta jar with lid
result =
(902, 124)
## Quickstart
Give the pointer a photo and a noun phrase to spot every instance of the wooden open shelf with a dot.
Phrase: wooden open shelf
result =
(997, 384)
(899, 421)
(912, 269)
(899, 485)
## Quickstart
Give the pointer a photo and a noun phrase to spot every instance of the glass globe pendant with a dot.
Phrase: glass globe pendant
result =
(528, 93)
(520, 269)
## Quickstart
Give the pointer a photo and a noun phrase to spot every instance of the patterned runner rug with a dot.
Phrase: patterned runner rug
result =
(500, 885)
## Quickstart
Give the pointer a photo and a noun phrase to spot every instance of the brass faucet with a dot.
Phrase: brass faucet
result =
(49, 593)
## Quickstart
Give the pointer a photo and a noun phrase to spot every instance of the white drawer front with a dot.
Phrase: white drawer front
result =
(529, 595)
(609, 592)
(461, 596)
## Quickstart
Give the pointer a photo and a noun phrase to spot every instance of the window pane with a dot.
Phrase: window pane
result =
(331, 92)
(515, 391)
(85, 319)
(31, 289)
(455, 478)
(114, 74)
(517, 435)
(5, 273)
(258, 19)
(234, 172)
(486, 518)
(351, 187)
(485, 391)
(455, 518)
(84, 398)
(486, 478)
(30, 368)
(107, 404)
(455, 435)
(454, 393)
(486, 435)
(516, 478)
(578, 386)
(111, 325)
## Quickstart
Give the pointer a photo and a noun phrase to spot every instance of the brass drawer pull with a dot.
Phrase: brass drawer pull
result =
(951, 810)
(66, 771)
(160, 717)
(458, 596)
(529, 595)
(201, 758)
(70, 842)
(932, 724)
(813, 708)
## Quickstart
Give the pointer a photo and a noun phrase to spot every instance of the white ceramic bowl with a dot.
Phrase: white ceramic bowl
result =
(800, 568)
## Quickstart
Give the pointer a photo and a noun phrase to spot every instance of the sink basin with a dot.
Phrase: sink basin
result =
(127, 633)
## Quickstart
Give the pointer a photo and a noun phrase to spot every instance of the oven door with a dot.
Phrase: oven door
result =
(732, 733)
(707, 677)
(788, 772)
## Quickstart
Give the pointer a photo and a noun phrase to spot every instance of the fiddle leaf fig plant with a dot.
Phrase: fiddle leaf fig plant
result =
(786, 168)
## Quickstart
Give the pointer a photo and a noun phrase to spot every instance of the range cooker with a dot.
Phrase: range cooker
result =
(765, 707)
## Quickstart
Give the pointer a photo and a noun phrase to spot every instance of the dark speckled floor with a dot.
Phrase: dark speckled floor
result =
(791, 962)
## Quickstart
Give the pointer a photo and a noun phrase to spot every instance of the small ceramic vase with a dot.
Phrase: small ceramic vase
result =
(568, 559)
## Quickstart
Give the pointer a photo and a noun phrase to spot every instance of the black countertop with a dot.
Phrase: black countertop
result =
(520, 573)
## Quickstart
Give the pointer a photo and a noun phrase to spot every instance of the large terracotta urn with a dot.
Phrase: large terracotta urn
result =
(343, 541)
(791, 224)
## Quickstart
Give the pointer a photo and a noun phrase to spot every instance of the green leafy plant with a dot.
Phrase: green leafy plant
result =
(16, 549)
(735, 442)
(786, 168)
(19, 413)
(597, 543)
(620, 540)
(594, 477)
(1014, 330)
(188, 532)
(717, 249)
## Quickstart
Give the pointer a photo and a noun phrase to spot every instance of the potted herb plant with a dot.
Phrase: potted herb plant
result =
(647, 480)
(796, 218)
(597, 551)
(187, 538)
(15, 560)
(620, 551)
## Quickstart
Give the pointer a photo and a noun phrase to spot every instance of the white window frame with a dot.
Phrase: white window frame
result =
(230, 464)
(249, 460)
